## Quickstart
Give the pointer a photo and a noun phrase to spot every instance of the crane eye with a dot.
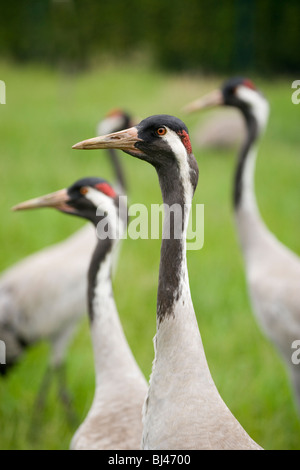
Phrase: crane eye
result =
(83, 190)
(161, 131)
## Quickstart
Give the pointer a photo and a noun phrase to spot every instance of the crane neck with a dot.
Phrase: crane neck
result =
(111, 350)
(178, 346)
(101, 262)
(177, 193)
(244, 193)
(118, 170)
(250, 225)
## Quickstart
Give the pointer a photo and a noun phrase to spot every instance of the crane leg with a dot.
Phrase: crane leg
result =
(65, 396)
(295, 377)
(40, 402)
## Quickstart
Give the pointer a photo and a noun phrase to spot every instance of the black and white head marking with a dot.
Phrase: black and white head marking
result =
(88, 194)
(241, 93)
(165, 143)
(114, 121)
(100, 201)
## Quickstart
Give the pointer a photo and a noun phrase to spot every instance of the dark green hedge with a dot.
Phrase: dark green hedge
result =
(218, 36)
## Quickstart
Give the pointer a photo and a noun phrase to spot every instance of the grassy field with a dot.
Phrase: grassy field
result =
(46, 113)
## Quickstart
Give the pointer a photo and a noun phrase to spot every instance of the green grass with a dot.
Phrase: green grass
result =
(46, 113)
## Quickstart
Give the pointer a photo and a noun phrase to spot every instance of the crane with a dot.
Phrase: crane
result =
(183, 408)
(43, 296)
(272, 269)
(114, 420)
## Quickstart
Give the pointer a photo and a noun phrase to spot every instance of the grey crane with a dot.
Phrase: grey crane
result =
(183, 408)
(43, 296)
(114, 420)
(272, 269)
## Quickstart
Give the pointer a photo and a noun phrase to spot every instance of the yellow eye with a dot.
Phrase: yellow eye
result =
(161, 131)
(83, 190)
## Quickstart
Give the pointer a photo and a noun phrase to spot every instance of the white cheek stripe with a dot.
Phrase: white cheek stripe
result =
(99, 199)
(180, 152)
(258, 104)
(109, 124)
(105, 204)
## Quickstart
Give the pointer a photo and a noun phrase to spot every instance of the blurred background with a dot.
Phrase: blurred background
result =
(194, 35)
(66, 64)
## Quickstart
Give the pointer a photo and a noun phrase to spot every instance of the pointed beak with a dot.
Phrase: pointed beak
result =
(58, 200)
(214, 98)
(122, 140)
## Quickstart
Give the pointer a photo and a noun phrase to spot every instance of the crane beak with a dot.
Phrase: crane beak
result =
(58, 200)
(123, 140)
(214, 98)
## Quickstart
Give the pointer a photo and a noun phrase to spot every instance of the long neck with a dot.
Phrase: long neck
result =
(119, 172)
(248, 219)
(178, 346)
(244, 194)
(173, 274)
(100, 265)
(112, 354)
